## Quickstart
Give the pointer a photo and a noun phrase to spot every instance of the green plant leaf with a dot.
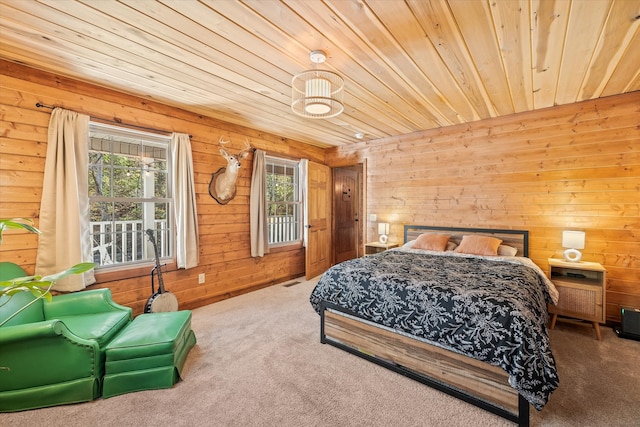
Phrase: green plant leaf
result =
(76, 269)
(11, 287)
(35, 290)
(17, 223)
(18, 281)
(37, 285)
(38, 290)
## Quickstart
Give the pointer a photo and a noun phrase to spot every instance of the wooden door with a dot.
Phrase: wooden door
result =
(346, 196)
(318, 254)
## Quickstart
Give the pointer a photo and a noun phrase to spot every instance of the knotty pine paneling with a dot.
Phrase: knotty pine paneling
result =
(570, 167)
(224, 229)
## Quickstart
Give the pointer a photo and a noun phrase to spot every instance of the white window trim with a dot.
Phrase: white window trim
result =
(297, 165)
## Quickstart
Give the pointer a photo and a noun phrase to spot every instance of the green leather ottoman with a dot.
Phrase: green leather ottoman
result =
(149, 354)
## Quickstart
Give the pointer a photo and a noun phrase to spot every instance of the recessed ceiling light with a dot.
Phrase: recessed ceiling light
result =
(359, 135)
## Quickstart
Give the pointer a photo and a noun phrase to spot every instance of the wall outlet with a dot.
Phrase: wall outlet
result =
(200, 278)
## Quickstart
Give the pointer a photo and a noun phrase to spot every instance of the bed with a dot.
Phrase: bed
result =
(473, 326)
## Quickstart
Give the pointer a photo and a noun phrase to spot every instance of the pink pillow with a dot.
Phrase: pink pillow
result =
(479, 245)
(432, 242)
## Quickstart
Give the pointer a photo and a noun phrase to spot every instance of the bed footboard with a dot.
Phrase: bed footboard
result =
(473, 381)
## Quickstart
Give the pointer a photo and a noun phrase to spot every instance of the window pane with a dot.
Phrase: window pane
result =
(283, 204)
(127, 211)
(288, 191)
(127, 182)
(161, 213)
(100, 211)
(129, 192)
(128, 241)
(161, 230)
(102, 243)
(101, 225)
(99, 175)
(160, 184)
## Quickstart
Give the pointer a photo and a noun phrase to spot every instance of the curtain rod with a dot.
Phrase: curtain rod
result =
(100, 119)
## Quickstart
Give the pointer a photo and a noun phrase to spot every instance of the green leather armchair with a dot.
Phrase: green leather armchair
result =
(53, 352)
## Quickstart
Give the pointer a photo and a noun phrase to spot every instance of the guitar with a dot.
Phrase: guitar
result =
(162, 300)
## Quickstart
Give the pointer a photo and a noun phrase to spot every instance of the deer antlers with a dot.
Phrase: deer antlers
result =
(247, 146)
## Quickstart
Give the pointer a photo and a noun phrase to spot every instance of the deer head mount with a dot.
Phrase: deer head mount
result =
(223, 182)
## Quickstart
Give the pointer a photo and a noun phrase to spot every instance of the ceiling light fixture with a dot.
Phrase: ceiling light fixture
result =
(317, 94)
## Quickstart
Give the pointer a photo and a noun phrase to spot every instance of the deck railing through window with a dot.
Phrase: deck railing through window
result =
(283, 229)
(125, 241)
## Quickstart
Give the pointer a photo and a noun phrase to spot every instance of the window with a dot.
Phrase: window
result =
(284, 206)
(129, 192)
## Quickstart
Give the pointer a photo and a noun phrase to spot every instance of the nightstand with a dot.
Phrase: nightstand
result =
(582, 290)
(377, 247)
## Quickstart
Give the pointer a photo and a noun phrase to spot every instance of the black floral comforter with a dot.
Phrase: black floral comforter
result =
(489, 309)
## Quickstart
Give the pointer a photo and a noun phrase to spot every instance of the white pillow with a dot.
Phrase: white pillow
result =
(504, 250)
(409, 244)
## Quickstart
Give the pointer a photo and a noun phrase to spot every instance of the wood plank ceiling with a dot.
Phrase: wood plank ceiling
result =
(408, 65)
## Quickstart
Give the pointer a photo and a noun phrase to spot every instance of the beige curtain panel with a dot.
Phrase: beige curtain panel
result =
(258, 206)
(184, 196)
(64, 209)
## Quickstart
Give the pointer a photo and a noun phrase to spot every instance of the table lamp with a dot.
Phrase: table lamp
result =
(573, 240)
(383, 231)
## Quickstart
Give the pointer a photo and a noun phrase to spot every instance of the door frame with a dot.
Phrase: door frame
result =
(362, 201)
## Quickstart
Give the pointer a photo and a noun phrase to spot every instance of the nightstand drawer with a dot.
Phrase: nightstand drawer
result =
(577, 300)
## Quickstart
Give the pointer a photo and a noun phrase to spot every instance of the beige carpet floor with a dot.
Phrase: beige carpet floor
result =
(259, 362)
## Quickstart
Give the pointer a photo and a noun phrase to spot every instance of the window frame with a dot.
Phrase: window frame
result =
(135, 268)
(299, 203)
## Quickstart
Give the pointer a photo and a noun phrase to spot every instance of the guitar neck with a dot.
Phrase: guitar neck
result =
(160, 280)
(157, 254)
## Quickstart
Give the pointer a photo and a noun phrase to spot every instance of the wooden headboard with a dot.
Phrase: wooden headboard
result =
(517, 238)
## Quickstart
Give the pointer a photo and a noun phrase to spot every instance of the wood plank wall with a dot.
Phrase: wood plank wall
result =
(224, 230)
(568, 167)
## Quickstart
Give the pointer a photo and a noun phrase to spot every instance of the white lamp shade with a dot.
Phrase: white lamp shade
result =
(383, 231)
(573, 239)
(383, 228)
(318, 94)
